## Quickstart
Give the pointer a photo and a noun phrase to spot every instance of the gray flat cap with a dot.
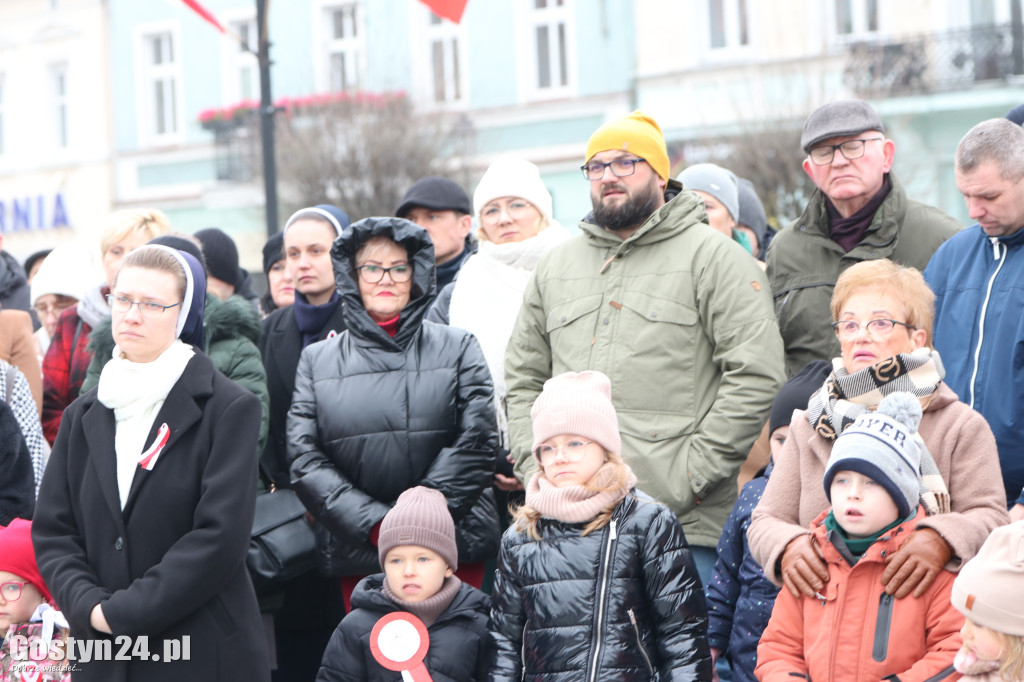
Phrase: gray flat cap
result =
(836, 119)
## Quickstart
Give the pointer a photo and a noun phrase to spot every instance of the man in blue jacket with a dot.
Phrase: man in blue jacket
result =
(978, 279)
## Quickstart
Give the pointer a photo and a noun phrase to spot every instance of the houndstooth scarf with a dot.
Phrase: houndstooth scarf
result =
(846, 396)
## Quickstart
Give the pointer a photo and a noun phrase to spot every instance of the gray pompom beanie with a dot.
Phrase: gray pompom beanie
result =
(716, 181)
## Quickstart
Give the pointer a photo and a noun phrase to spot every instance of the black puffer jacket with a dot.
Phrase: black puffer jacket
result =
(373, 416)
(458, 639)
(622, 603)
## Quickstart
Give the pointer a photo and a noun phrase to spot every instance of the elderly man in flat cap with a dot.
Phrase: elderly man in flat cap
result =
(859, 212)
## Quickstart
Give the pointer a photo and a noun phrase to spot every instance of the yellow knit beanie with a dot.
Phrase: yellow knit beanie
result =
(637, 133)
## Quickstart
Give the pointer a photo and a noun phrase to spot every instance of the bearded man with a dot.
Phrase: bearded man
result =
(676, 314)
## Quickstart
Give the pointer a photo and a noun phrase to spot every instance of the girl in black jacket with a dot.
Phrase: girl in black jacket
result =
(595, 580)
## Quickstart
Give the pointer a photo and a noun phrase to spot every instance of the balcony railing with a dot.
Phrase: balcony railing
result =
(934, 62)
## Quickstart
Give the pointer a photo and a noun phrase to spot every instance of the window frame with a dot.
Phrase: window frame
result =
(530, 19)
(148, 73)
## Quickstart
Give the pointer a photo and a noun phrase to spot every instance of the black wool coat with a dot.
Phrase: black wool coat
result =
(172, 563)
(281, 345)
(458, 638)
(373, 416)
(17, 482)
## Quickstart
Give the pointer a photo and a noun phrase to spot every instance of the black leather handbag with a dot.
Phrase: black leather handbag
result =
(283, 545)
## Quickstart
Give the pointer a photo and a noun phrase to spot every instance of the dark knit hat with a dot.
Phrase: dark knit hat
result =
(752, 211)
(181, 244)
(435, 193)
(1016, 115)
(18, 557)
(273, 251)
(882, 445)
(836, 119)
(221, 254)
(988, 587)
(420, 517)
(797, 392)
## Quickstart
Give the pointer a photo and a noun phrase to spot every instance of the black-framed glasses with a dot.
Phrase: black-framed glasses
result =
(371, 274)
(122, 304)
(878, 328)
(851, 149)
(573, 451)
(594, 170)
(11, 591)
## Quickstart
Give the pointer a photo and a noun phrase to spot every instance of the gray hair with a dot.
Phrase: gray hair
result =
(998, 140)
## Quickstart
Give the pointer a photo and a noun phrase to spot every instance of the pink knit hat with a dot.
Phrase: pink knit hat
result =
(420, 517)
(580, 404)
(988, 587)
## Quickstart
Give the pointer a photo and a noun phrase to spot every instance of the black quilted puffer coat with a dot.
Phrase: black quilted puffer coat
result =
(373, 416)
(622, 603)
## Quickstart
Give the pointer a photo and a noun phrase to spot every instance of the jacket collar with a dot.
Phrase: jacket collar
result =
(682, 212)
(882, 233)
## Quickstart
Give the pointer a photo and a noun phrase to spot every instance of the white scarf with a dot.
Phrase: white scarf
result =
(136, 391)
(489, 292)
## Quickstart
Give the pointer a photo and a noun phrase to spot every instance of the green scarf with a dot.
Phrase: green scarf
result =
(858, 546)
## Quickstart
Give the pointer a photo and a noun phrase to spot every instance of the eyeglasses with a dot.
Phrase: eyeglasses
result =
(371, 274)
(573, 451)
(12, 591)
(122, 304)
(877, 329)
(620, 168)
(56, 309)
(851, 149)
(515, 210)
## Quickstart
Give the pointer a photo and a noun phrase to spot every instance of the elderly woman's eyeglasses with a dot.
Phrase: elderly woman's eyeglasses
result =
(573, 451)
(620, 168)
(122, 304)
(371, 274)
(12, 591)
(877, 329)
(851, 149)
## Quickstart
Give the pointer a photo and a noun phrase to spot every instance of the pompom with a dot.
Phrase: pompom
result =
(903, 407)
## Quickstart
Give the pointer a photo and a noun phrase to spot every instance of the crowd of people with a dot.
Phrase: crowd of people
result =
(518, 450)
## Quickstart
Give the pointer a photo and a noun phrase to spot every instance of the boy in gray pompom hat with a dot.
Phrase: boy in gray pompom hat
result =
(873, 483)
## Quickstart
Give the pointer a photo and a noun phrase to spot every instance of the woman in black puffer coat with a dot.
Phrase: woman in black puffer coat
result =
(391, 403)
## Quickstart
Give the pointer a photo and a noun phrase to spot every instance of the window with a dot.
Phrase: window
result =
(728, 23)
(344, 47)
(856, 17)
(59, 85)
(161, 84)
(549, 28)
(245, 68)
(445, 60)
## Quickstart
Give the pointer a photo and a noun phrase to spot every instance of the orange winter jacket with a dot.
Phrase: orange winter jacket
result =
(857, 632)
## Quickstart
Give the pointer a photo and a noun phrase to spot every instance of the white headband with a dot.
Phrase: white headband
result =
(186, 305)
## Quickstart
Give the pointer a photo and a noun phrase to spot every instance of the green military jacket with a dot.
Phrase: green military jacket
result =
(680, 319)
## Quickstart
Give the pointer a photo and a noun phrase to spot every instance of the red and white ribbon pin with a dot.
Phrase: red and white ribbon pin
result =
(148, 459)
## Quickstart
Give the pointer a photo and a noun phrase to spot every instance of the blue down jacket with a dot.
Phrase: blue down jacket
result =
(373, 416)
(622, 603)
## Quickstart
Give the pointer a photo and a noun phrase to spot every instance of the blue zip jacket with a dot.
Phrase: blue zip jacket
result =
(979, 332)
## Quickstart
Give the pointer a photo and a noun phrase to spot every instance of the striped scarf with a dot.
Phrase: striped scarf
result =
(846, 396)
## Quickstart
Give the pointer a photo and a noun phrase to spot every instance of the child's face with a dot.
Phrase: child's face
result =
(777, 440)
(415, 573)
(981, 641)
(16, 610)
(556, 457)
(861, 506)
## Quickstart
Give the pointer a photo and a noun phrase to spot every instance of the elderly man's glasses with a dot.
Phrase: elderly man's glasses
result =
(620, 168)
(371, 274)
(851, 149)
(877, 329)
(122, 304)
(12, 591)
(573, 451)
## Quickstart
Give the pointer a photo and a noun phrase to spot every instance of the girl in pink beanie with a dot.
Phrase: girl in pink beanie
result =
(594, 578)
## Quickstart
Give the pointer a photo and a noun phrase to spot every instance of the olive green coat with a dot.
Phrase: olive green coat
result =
(680, 319)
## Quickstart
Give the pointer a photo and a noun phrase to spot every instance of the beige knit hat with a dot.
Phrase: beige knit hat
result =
(580, 404)
(420, 517)
(990, 587)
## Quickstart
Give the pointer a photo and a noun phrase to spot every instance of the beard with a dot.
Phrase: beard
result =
(631, 213)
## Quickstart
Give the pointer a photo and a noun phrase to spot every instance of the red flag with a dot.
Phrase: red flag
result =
(446, 9)
(206, 14)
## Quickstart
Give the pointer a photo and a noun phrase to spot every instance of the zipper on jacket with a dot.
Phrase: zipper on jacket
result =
(639, 643)
(1001, 257)
(883, 623)
(602, 581)
(942, 674)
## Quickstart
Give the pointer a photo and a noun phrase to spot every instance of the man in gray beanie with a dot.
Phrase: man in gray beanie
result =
(859, 212)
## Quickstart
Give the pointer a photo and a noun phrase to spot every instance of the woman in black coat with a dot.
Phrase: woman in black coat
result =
(391, 403)
(146, 506)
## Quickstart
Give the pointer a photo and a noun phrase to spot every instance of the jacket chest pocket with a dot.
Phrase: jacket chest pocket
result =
(570, 326)
(658, 330)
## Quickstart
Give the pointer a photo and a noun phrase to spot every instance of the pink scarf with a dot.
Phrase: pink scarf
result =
(576, 503)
